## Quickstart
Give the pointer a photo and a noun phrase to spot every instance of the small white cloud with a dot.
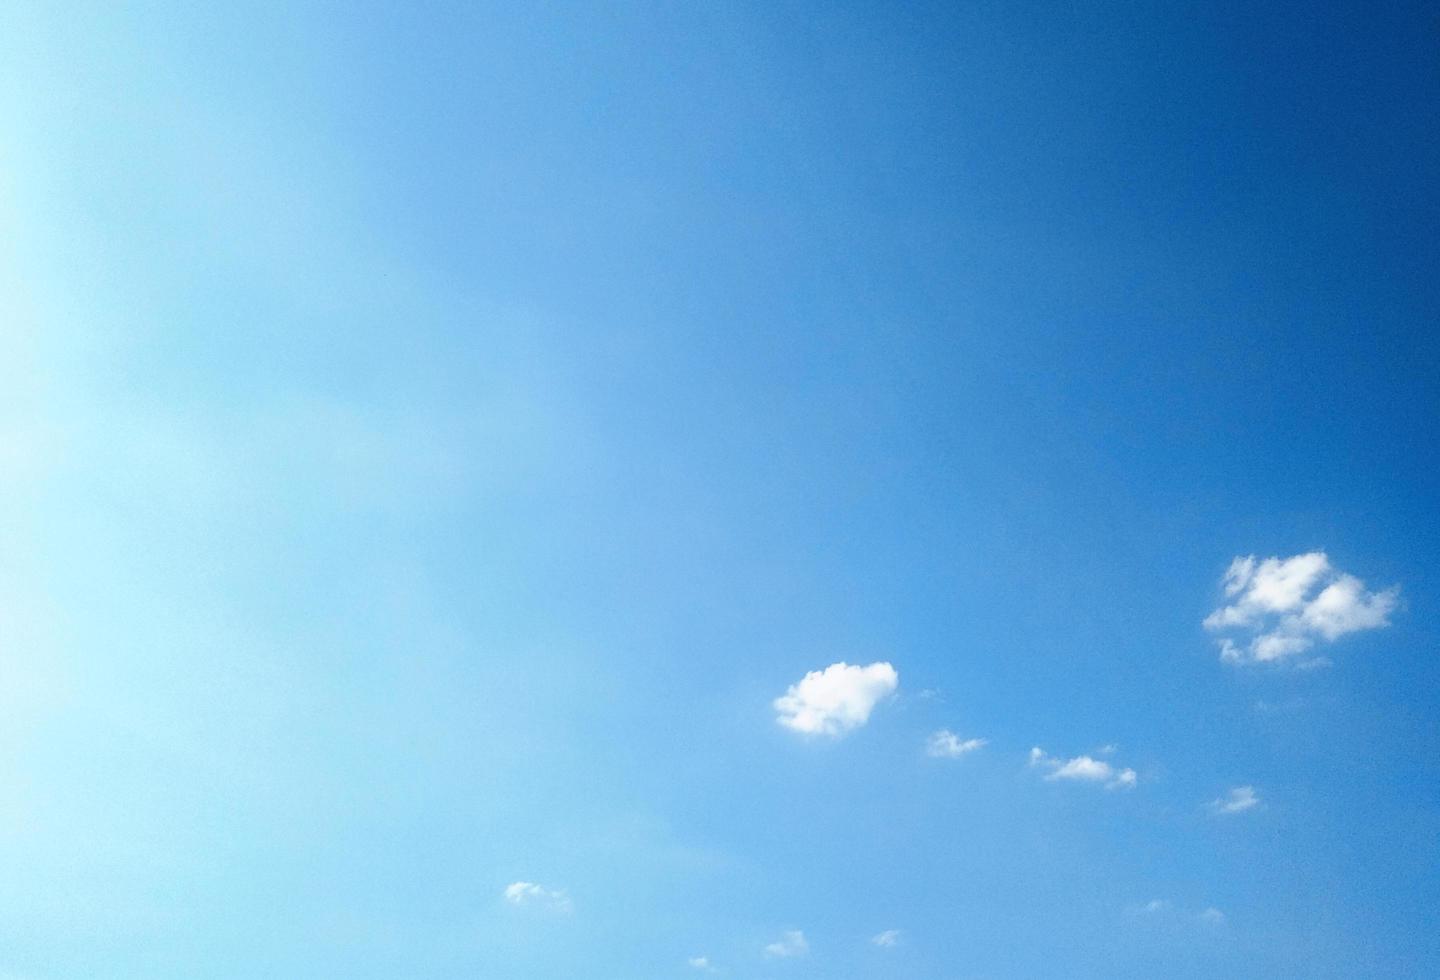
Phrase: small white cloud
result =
(1272, 646)
(701, 963)
(1345, 606)
(1238, 800)
(1084, 769)
(1152, 907)
(529, 893)
(835, 700)
(791, 943)
(886, 939)
(1162, 906)
(1287, 605)
(945, 744)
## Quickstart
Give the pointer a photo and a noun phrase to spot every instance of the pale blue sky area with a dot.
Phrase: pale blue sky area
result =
(618, 491)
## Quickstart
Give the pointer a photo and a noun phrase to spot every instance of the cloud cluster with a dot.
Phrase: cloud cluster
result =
(1083, 769)
(1280, 607)
(791, 943)
(1238, 800)
(1275, 608)
(945, 744)
(835, 700)
(529, 893)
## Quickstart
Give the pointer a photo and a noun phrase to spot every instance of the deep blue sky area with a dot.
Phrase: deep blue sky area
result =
(765, 491)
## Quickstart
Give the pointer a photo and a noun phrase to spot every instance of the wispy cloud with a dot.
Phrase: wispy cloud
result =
(886, 939)
(1164, 907)
(529, 893)
(1238, 800)
(945, 744)
(1083, 769)
(1152, 907)
(1280, 607)
(791, 943)
(835, 700)
(702, 963)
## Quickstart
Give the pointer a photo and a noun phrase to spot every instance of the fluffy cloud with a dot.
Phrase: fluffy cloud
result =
(834, 700)
(792, 943)
(1238, 800)
(529, 893)
(1083, 769)
(1280, 607)
(945, 744)
(886, 939)
(1213, 916)
(701, 963)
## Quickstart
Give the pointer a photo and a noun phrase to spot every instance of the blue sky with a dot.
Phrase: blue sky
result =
(623, 491)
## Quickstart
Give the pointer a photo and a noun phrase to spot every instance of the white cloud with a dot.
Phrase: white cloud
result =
(791, 943)
(1084, 769)
(701, 963)
(1163, 906)
(1287, 605)
(834, 700)
(529, 893)
(1152, 907)
(945, 744)
(1125, 778)
(1238, 800)
(886, 939)
(1344, 606)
